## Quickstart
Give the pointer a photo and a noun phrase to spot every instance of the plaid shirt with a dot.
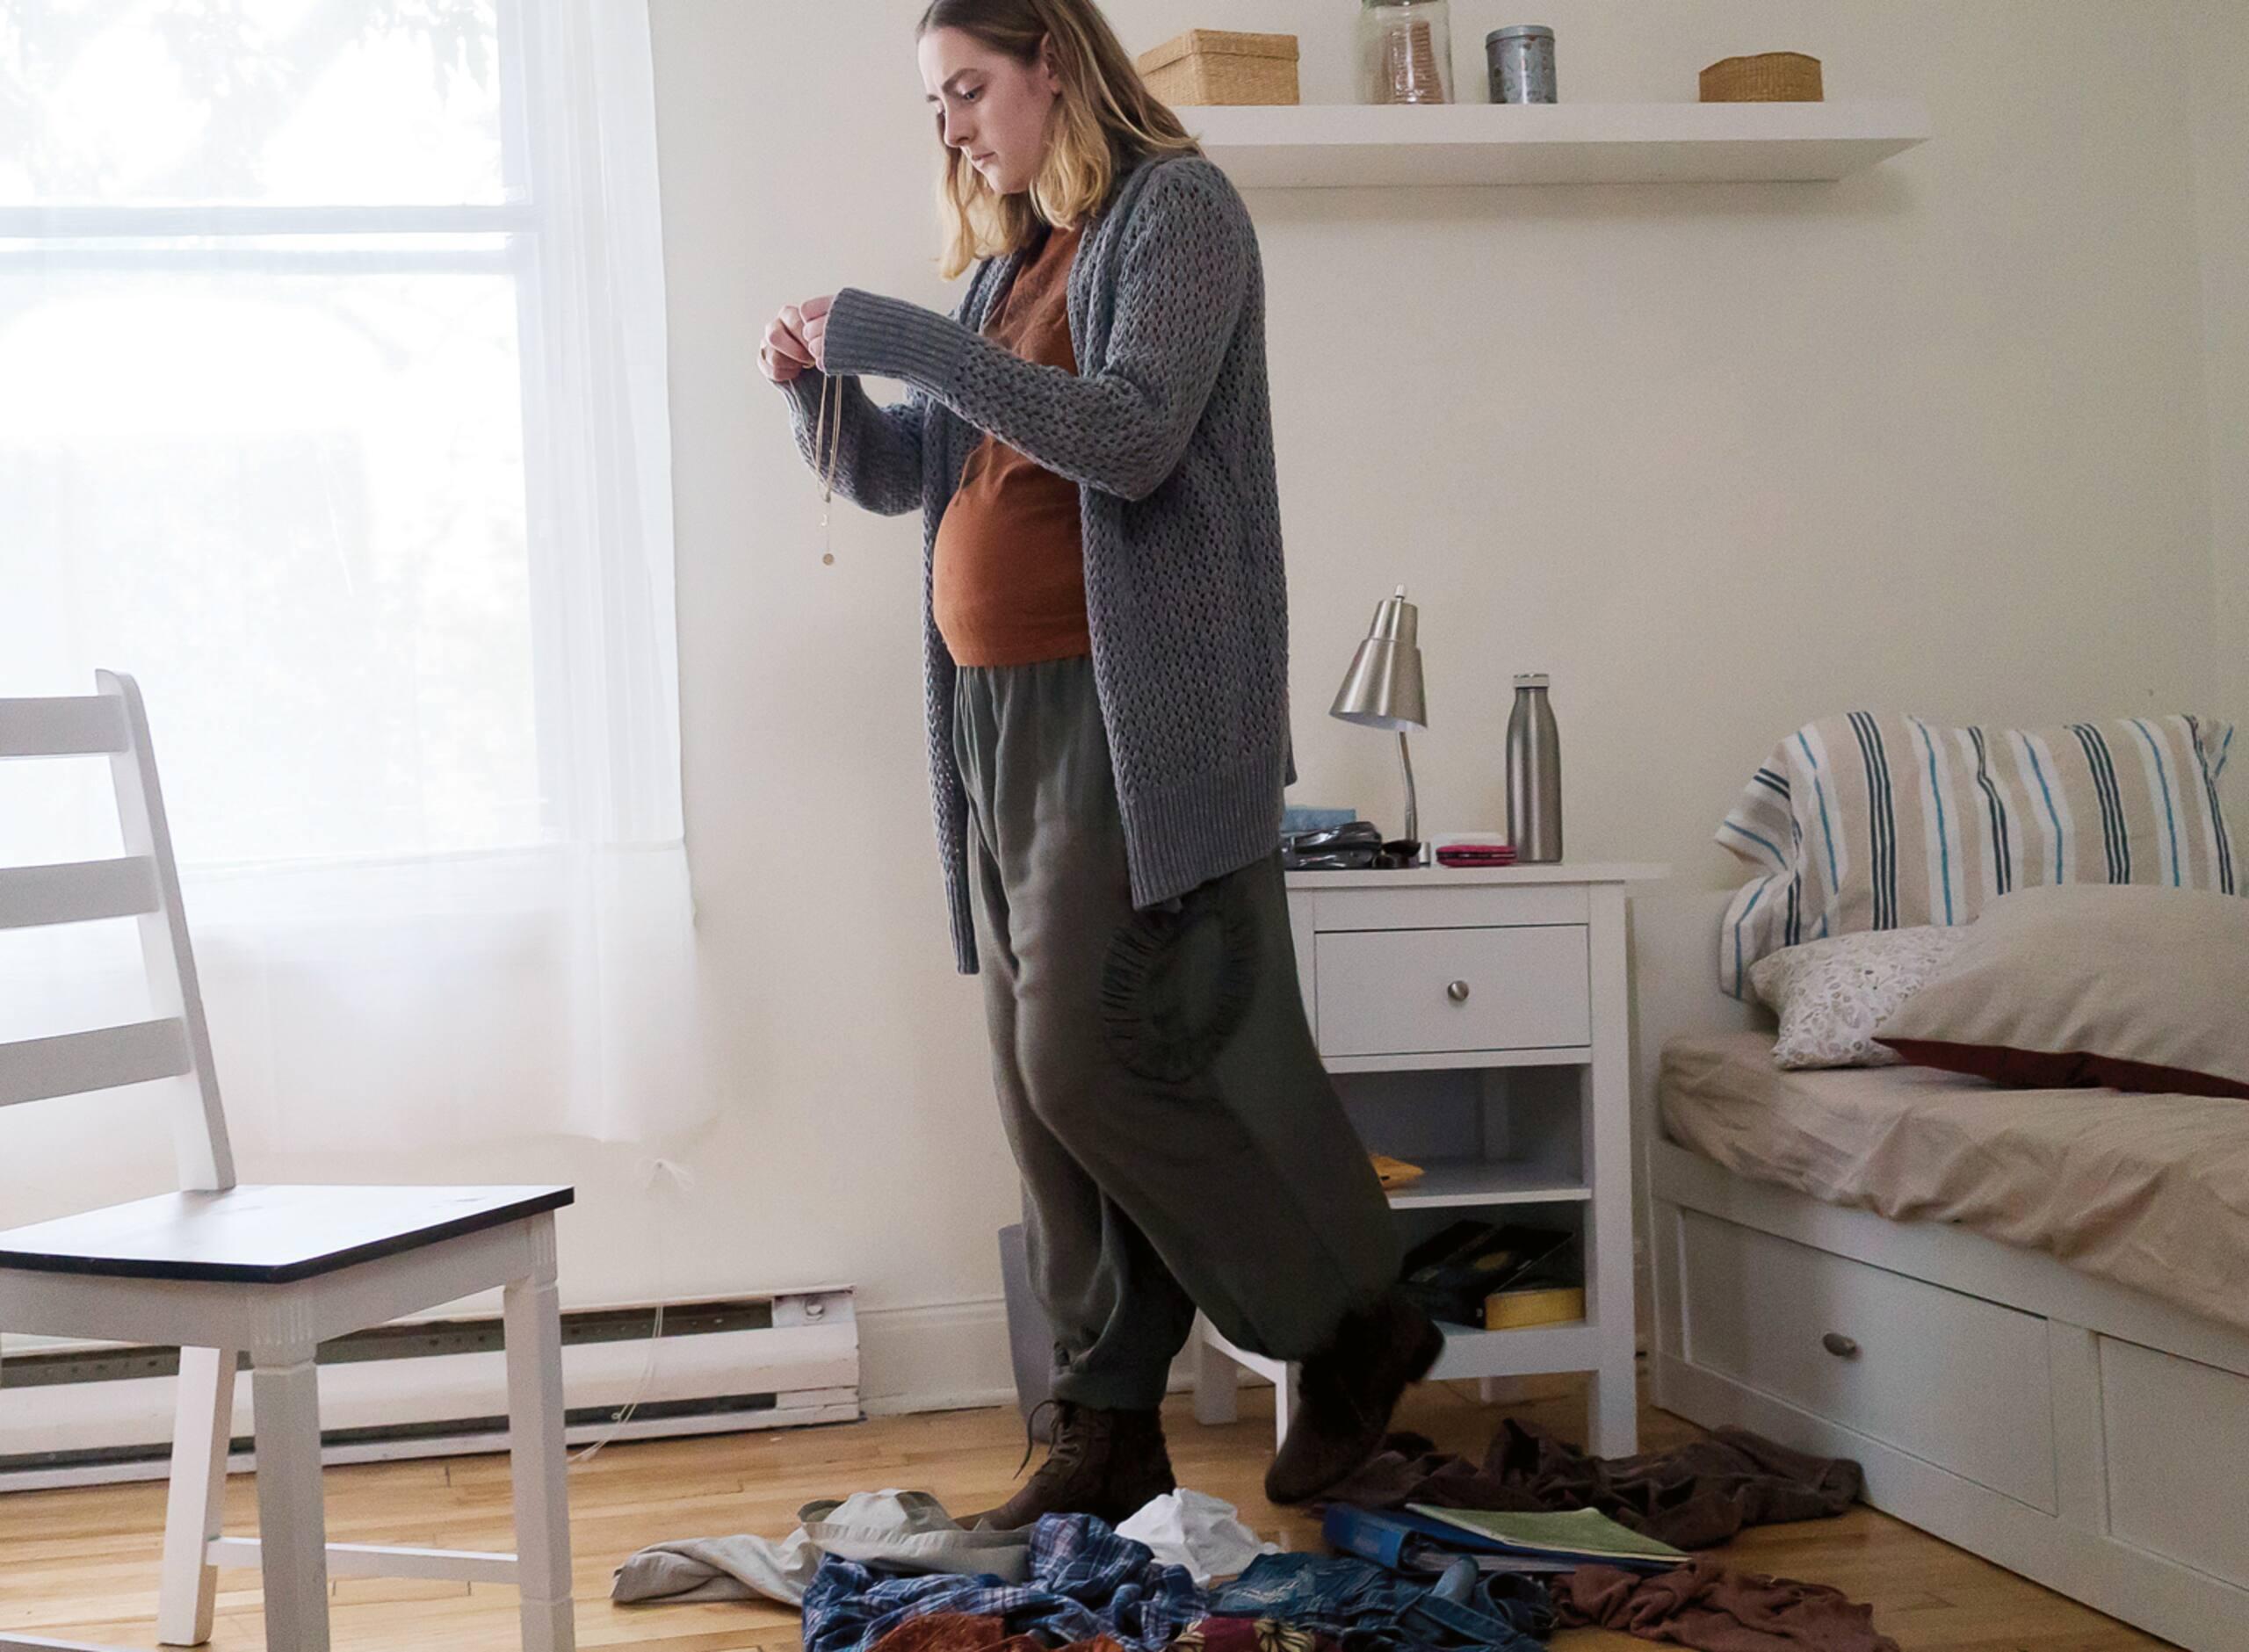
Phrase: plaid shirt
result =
(1085, 1581)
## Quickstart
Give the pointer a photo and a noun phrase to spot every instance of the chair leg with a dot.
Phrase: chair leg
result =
(291, 1523)
(199, 1479)
(1284, 1403)
(1613, 1407)
(1218, 1382)
(538, 1460)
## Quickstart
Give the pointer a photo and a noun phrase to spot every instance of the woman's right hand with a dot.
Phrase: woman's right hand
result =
(785, 353)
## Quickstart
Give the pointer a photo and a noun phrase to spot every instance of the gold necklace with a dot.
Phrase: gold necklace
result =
(825, 447)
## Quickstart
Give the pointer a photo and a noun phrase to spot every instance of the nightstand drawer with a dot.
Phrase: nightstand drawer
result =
(1401, 991)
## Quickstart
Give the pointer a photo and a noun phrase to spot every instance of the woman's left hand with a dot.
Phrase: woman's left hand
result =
(814, 311)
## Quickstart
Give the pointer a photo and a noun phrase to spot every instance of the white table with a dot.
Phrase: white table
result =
(1476, 1024)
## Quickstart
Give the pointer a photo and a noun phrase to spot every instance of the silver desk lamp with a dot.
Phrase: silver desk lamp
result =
(1383, 688)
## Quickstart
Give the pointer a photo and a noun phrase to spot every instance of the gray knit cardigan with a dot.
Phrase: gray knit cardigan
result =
(1166, 428)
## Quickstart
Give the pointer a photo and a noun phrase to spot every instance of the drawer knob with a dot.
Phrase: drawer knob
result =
(1457, 992)
(1840, 1345)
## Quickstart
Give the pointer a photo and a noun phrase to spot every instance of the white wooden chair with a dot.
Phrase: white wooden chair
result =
(219, 1270)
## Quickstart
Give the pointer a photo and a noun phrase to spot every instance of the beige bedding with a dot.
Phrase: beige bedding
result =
(2150, 1191)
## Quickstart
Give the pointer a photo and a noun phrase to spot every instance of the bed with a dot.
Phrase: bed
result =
(2025, 1313)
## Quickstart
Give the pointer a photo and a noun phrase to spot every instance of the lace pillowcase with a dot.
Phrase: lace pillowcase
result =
(1832, 994)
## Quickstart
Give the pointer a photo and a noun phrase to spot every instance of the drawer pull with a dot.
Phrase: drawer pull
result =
(1840, 1345)
(1457, 992)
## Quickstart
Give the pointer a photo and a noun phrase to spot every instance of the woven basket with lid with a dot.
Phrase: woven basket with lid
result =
(1218, 65)
(1769, 77)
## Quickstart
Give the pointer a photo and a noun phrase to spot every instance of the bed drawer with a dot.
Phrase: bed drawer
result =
(2176, 1436)
(1406, 992)
(1954, 1380)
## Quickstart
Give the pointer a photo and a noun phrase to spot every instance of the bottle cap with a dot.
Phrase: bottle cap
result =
(1530, 680)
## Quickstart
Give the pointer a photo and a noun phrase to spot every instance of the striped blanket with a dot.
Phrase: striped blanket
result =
(1874, 821)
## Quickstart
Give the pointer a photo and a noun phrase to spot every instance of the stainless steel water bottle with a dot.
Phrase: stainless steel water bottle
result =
(1534, 773)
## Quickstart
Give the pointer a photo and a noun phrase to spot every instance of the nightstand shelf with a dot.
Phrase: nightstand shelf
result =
(1471, 1183)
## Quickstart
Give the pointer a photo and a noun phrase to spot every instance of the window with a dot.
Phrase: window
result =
(331, 407)
(266, 278)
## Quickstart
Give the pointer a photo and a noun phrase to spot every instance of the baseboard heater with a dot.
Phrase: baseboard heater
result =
(86, 1415)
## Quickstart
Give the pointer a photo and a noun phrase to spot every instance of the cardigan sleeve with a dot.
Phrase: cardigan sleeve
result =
(878, 455)
(1184, 274)
(877, 451)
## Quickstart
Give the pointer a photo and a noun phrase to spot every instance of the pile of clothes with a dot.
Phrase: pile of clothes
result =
(893, 1572)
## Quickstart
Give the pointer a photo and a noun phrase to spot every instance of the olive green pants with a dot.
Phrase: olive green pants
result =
(1181, 1145)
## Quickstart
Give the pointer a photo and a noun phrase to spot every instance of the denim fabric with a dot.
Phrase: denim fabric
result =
(1371, 1609)
(1085, 1581)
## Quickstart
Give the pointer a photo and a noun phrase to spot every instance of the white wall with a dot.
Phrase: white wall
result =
(1720, 459)
(2218, 46)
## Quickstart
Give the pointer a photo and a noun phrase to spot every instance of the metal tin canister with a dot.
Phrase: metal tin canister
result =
(1521, 60)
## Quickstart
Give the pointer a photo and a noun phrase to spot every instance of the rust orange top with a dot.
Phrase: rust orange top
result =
(1008, 580)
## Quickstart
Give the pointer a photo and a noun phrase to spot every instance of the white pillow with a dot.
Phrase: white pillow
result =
(1832, 994)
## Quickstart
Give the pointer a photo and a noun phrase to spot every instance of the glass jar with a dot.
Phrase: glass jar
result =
(1405, 51)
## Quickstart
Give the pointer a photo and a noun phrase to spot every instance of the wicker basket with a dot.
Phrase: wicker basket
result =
(1770, 78)
(1214, 65)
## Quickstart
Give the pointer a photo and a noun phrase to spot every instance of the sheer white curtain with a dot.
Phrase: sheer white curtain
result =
(332, 407)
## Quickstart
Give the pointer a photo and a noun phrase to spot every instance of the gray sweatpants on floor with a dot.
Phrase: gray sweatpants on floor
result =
(1181, 1145)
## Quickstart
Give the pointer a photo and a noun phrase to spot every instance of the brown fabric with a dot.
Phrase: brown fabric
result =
(964, 1632)
(1706, 1606)
(1007, 585)
(1694, 1497)
(2088, 983)
(2061, 1070)
(2150, 1191)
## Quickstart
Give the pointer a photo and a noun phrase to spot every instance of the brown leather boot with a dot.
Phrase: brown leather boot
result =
(1102, 1462)
(1348, 1391)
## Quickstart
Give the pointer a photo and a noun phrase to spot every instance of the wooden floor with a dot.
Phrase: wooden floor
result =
(82, 1564)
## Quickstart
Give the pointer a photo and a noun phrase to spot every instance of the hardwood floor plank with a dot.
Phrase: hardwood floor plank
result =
(82, 1562)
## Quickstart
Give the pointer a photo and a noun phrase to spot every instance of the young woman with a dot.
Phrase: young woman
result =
(1089, 438)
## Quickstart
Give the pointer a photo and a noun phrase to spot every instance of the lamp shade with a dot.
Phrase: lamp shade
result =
(1383, 688)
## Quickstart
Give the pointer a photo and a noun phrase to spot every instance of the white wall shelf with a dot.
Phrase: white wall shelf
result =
(1342, 145)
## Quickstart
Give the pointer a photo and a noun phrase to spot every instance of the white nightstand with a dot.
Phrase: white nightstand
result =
(1476, 1025)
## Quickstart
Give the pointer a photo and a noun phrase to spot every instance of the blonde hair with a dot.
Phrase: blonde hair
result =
(1104, 118)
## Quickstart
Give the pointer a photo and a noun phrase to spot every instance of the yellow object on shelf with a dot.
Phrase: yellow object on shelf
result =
(1220, 65)
(1395, 1172)
(1769, 77)
(1516, 1310)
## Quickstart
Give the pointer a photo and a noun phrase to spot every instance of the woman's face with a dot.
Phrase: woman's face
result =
(989, 106)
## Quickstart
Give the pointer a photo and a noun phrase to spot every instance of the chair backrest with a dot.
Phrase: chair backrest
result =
(176, 1048)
